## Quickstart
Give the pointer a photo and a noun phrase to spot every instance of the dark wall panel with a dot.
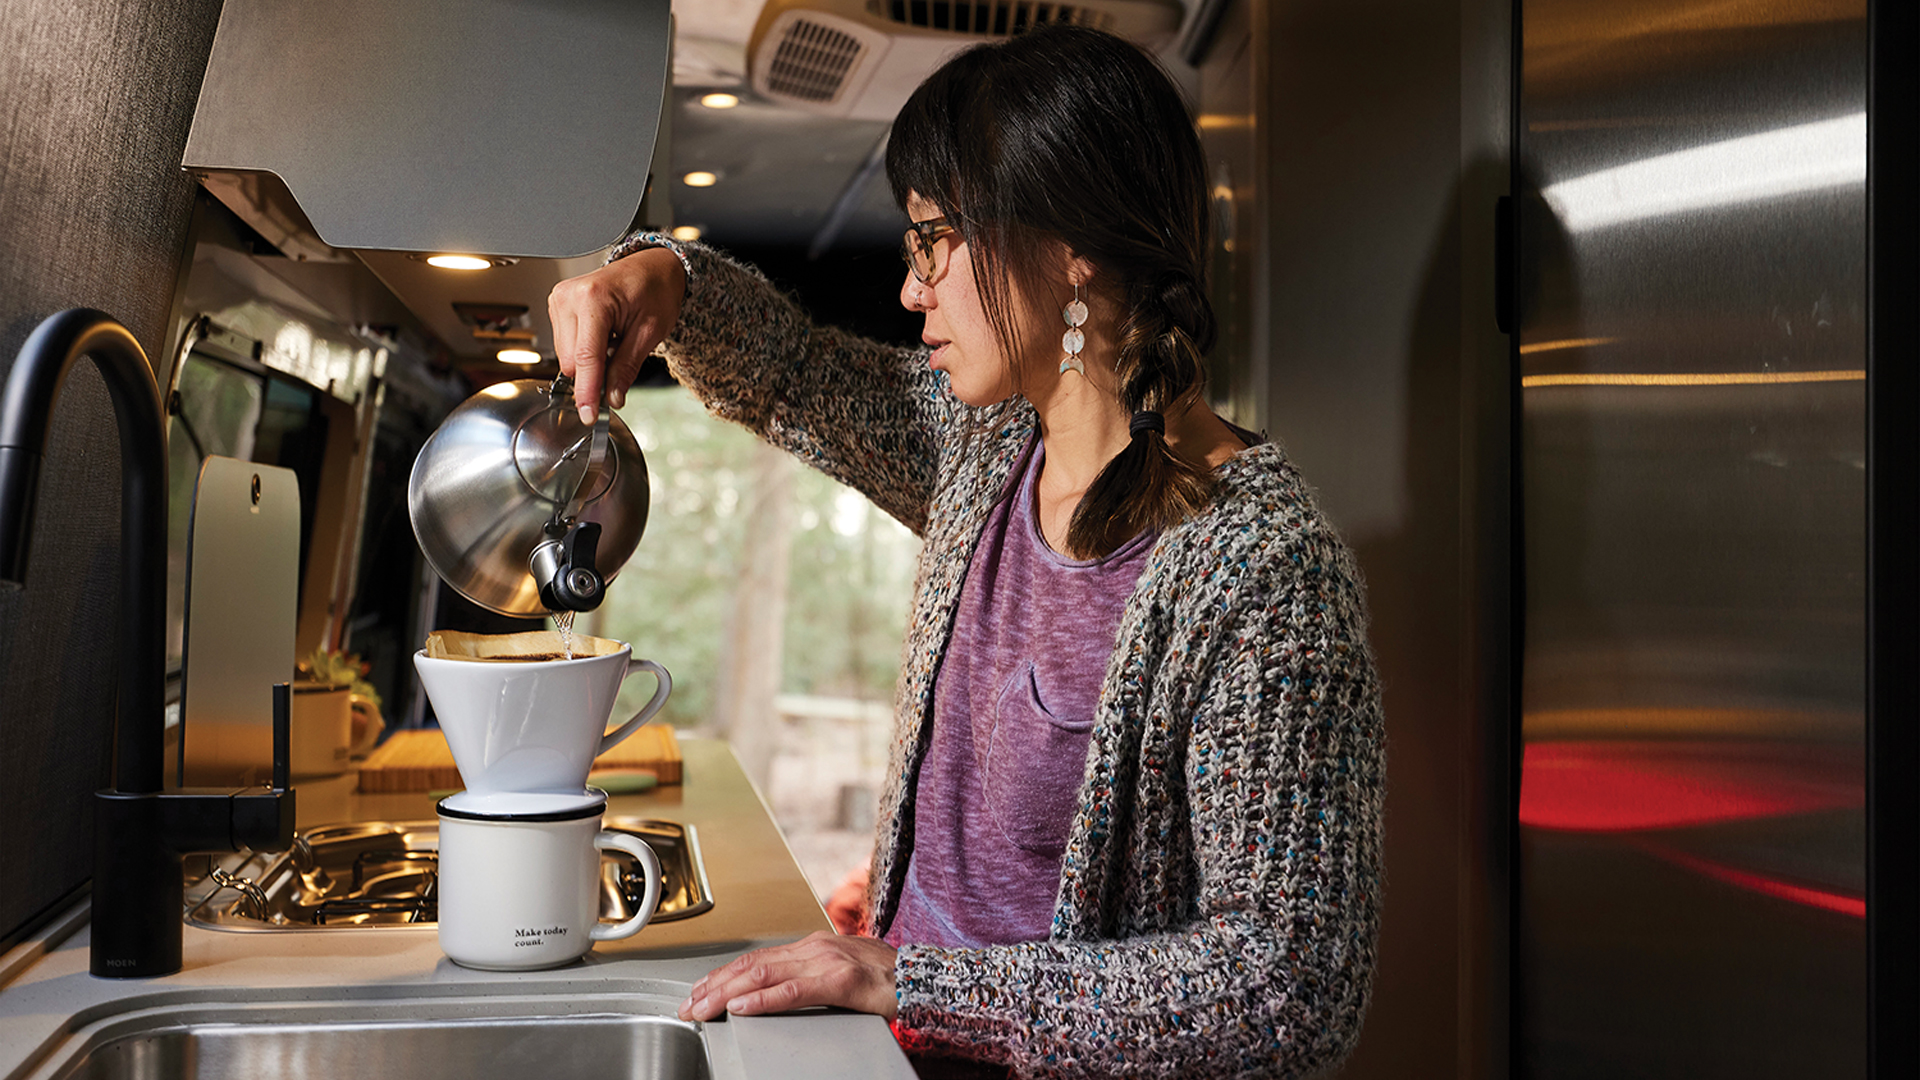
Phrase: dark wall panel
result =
(95, 100)
(1386, 378)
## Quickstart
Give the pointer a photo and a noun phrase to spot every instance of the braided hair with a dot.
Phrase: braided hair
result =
(1071, 136)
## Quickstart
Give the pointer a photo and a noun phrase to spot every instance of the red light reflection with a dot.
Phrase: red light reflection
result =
(1631, 785)
(1855, 906)
(1624, 786)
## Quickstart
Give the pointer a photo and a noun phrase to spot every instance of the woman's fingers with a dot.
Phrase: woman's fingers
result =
(822, 969)
(753, 972)
(624, 366)
(583, 311)
(799, 992)
(568, 301)
(635, 301)
(590, 359)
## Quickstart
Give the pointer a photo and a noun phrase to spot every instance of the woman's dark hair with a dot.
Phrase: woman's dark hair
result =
(1065, 135)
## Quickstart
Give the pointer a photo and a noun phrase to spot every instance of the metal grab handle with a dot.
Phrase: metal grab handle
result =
(251, 895)
(597, 443)
(596, 463)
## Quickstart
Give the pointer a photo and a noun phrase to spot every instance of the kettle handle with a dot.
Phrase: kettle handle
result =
(646, 712)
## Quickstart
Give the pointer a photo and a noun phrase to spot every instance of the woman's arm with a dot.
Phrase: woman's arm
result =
(867, 414)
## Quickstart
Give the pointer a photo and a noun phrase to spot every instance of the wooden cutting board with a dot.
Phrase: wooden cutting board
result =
(421, 761)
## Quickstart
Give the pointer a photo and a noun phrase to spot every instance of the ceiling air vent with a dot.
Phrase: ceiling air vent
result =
(811, 61)
(861, 59)
(1003, 18)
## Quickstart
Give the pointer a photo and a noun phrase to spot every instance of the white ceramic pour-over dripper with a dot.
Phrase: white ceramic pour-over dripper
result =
(533, 726)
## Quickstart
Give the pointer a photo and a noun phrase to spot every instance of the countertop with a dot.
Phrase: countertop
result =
(760, 898)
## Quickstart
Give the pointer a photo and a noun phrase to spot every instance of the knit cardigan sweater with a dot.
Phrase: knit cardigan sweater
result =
(1218, 899)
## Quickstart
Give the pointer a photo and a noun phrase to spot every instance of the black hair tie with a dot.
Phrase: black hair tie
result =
(1147, 420)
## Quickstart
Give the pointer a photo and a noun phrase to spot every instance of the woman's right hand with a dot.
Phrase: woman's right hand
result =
(847, 905)
(606, 323)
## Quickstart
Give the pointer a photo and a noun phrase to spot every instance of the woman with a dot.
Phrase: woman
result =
(1132, 821)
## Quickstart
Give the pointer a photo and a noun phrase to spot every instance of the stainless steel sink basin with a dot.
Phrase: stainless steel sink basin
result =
(589, 1037)
(551, 1048)
(382, 874)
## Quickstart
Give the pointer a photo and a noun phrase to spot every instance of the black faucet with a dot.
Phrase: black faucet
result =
(140, 833)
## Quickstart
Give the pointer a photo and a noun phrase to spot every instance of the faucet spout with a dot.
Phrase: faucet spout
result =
(140, 832)
(26, 407)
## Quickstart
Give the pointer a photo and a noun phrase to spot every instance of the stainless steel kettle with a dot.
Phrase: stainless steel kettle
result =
(523, 508)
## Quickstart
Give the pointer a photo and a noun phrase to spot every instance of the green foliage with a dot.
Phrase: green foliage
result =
(327, 666)
(849, 587)
(851, 569)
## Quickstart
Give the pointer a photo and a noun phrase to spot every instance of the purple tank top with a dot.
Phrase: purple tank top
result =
(1013, 709)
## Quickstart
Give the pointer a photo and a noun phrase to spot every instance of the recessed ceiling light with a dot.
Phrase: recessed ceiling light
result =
(719, 101)
(686, 232)
(699, 179)
(459, 262)
(517, 356)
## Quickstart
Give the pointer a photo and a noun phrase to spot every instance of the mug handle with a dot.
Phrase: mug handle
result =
(646, 712)
(650, 863)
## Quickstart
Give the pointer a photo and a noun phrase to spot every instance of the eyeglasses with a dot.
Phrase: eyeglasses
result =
(917, 248)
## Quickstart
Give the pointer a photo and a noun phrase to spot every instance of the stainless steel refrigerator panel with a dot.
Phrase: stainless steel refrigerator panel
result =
(1692, 353)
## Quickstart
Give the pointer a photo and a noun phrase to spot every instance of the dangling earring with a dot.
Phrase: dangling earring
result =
(1073, 340)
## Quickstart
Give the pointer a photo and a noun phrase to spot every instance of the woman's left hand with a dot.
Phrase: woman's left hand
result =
(819, 969)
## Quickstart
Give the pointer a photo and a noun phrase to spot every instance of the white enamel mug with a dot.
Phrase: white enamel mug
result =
(520, 879)
(533, 726)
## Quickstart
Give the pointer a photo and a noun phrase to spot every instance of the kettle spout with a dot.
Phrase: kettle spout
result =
(563, 568)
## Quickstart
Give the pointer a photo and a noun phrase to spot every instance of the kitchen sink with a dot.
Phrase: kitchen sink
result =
(586, 1036)
(383, 875)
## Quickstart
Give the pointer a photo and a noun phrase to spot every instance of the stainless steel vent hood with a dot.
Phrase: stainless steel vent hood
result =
(519, 130)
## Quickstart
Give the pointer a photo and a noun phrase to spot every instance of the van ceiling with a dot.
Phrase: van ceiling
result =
(780, 170)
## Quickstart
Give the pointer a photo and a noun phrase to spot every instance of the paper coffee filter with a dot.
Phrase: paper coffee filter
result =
(459, 645)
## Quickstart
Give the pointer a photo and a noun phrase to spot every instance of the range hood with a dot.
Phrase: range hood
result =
(519, 131)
